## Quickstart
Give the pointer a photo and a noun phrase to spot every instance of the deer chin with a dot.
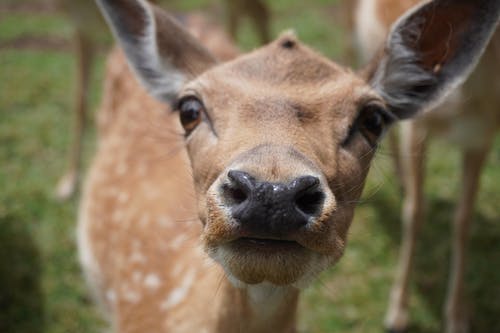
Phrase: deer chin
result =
(253, 260)
(281, 263)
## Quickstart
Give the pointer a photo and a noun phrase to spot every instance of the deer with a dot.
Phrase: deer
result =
(87, 26)
(256, 10)
(469, 119)
(221, 188)
(86, 22)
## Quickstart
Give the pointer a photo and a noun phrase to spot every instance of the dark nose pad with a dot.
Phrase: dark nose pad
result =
(272, 208)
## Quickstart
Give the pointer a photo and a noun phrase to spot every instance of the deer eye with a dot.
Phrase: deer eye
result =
(371, 123)
(191, 111)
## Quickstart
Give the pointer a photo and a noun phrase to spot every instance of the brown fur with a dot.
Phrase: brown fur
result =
(140, 185)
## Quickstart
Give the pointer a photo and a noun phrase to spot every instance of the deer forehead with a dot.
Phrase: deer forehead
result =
(284, 78)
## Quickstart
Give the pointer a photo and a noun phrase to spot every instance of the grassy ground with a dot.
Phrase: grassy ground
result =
(41, 288)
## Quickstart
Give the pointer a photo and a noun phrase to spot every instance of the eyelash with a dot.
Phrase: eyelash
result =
(203, 116)
(366, 111)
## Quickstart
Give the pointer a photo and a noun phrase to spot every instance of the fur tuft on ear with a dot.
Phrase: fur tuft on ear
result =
(431, 50)
(162, 54)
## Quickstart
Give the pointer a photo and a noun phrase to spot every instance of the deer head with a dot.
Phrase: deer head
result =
(280, 139)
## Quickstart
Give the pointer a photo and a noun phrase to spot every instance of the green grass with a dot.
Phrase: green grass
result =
(18, 25)
(41, 287)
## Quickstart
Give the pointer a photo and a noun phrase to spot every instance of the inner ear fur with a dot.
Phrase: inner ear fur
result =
(162, 54)
(177, 45)
(431, 50)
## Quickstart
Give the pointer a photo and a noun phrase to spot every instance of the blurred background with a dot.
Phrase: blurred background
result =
(41, 286)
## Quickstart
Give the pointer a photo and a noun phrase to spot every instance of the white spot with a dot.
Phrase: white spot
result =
(117, 216)
(179, 294)
(178, 241)
(137, 257)
(151, 192)
(131, 296)
(121, 169)
(177, 270)
(152, 281)
(163, 221)
(123, 197)
(142, 169)
(144, 220)
(136, 276)
(136, 244)
(111, 296)
(112, 192)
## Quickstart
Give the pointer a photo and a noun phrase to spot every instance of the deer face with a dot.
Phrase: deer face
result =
(281, 139)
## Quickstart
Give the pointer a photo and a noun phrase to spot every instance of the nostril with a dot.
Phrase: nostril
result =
(308, 195)
(310, 202)
(239, 187)
(234, 195)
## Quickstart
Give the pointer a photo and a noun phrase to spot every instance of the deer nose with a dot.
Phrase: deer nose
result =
(274, 209)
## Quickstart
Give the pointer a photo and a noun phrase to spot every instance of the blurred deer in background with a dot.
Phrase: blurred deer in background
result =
(218, 228)
(470, 119)
(88, 26)
(256, 10)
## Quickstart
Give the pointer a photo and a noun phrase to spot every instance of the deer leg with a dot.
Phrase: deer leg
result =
(395, 149)
(233, 18)
(473, 161)
(68, 184)
(413, 146)
(260, 17)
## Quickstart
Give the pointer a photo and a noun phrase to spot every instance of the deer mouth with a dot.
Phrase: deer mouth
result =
(253, 260)
(267, 245)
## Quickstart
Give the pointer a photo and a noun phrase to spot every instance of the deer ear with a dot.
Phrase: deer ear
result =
(161, 53)
(431, 50)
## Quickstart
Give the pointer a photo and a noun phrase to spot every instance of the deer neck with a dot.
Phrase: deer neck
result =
(257, 308)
